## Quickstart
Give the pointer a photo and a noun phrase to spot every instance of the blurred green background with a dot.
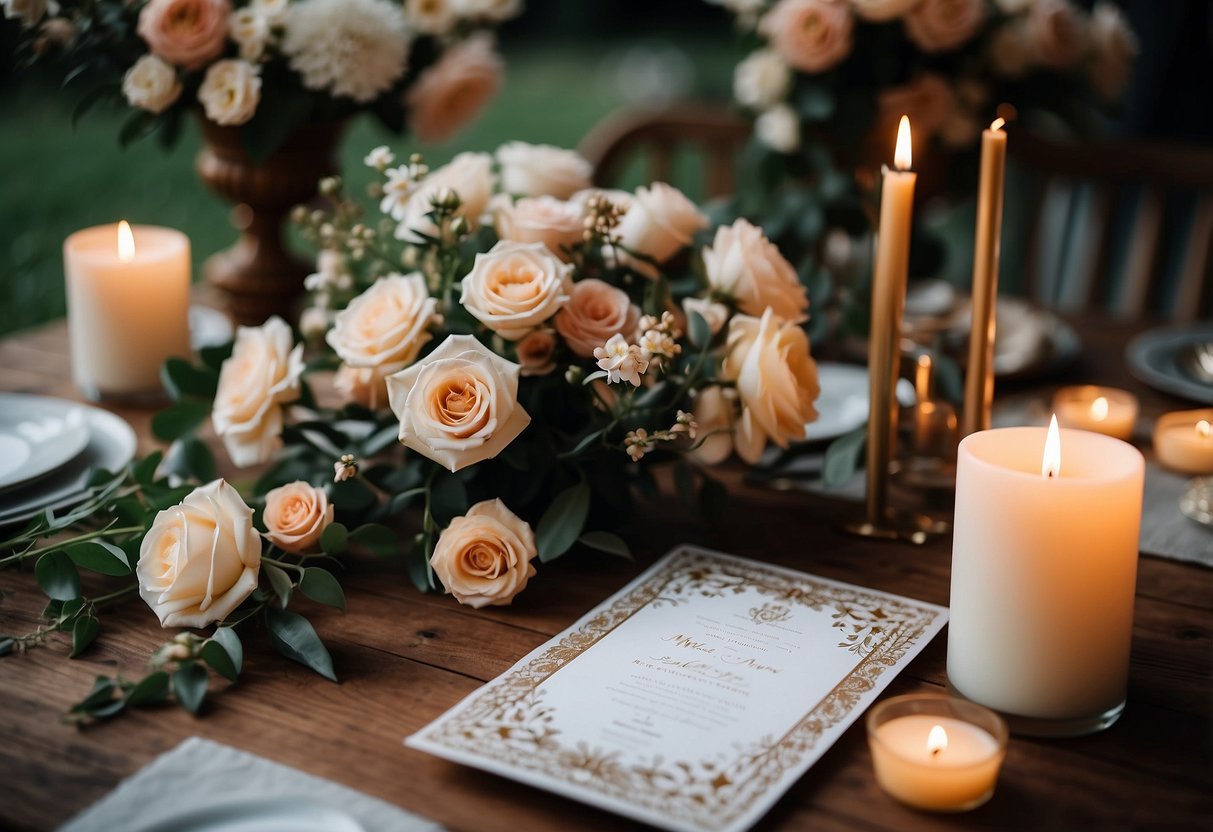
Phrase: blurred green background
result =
(567, 66)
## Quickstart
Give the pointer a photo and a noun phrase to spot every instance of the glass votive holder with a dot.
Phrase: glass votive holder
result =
(936, 752)
(1183, 441)
(1105, 410)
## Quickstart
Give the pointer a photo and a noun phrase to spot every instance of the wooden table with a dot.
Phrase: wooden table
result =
(404, 658)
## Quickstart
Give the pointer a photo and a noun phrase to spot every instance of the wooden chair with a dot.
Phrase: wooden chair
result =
(669, 142)
(1122, 227)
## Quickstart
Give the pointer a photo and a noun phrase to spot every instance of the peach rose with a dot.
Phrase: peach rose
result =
(660, 222)
(469, 175)
(455, 89)
(365, 386)
(812, 35)
(484, 557)
(515, 287)
(713, 410)
(189, 33)
(542, 170)
(536, 353)
(881, 10)
(295, 516)
(542, 219)
(1057, 34)
(261, 375)
(944, 25)
(595, 311)
(460, 405)
(743, 264)
(1114, 48)
(387, 325)
(200, 559)
(776, 379)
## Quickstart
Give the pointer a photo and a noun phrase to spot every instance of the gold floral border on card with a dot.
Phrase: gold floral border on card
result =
(508, 722)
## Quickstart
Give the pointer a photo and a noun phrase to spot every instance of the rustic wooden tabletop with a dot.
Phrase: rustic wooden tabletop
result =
(404, 658)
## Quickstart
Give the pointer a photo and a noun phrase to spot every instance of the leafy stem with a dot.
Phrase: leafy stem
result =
(108, 531)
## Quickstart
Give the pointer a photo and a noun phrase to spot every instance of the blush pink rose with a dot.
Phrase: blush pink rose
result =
(812, 35)
(189, 33)
(454, 90)
(594, 312)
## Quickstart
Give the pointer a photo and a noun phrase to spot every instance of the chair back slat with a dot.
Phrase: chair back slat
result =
(1196, 265)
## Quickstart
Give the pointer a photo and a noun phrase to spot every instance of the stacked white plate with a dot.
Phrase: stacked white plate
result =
(48, 449)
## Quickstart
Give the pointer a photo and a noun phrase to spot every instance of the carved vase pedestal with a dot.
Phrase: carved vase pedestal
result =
(258, 276)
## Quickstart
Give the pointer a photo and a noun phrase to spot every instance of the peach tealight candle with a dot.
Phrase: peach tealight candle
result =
(1105, 410)
(1183, 441)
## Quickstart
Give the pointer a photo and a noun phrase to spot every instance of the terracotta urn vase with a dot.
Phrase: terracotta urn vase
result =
(258, 276)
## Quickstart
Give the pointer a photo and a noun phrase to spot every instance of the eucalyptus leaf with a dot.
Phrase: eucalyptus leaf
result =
(293, 636)
(199, 458)
(700, 331)
(352, 495)
(230, 641)
(189, 685)
(179, 419)
(380, 440)
(379, 539)
(583, 443)
(334, 538)
(612, 544)
(151, 690)
(320, 585)
(181, 378)
(216, 656)
(102, 692)
(84, 632)
(279, 581)
(57, 576)
(842, 457)
(448, 498)
(562, 523)
(418, 565)
(213, 357)
(144, 471)
(99, 556)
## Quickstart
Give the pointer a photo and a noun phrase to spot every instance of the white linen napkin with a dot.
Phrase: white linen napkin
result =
(219, 775)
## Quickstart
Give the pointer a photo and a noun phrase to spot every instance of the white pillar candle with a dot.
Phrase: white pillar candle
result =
(1183, 441)
(1044, 567)
(1104, 410)
(935, 752)
(128, 306)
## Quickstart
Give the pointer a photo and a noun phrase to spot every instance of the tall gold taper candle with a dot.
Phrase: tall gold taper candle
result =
(888, 303)
(979, 380)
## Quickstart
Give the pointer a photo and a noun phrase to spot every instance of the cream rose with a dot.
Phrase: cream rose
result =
(557, 224)
(776, 381)
(455, 89)
(660, 222)
(515, 287)
(1057, 34)
(484, 557)
(536, 353)
(713, 410)
(151, 84)
(470, 175)
(364, 386)
(460, 405)
(779, 129)
(744, 265)
(431, 17)
(189, 33)
(230, 91)
(200, 559)
(595, 311)
(882, 10)
(1114, 46)
(250, 31)
(387, 325)
(944, 25)
(295, 516)
(716, 314)
(261, 375)
(542, 170)
(761, 80)
(812, 35)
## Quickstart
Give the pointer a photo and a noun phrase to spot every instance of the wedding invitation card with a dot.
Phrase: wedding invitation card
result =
(695, 696)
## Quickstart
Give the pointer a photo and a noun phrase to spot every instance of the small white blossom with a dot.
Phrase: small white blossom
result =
(637, 443)
(345, 468)
(396, 192)
(623, 362)
(313, 323)
(379, 158)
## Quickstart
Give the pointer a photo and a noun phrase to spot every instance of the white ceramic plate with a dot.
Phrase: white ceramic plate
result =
(38, 435)
(208, 327)
(842, 405)
(111, 445)
(278, 815)
(1154, 358)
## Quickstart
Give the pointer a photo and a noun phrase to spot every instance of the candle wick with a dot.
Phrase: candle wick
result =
(935, 752)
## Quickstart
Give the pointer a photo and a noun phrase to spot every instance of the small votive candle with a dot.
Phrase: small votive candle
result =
(1105, 410)
(1183, 441)
(936, 752)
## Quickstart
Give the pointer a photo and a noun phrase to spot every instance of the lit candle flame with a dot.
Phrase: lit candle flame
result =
(1204, 429)
(997, 124)
(937, 740)
(1050, 464)
(126, 242)
(1099, 409)
(903, 155)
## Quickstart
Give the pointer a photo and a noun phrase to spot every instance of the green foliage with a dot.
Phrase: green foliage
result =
(842, 457)
(563, 522)
(292, 635)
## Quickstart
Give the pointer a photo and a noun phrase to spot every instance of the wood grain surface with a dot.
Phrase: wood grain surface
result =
(404, 658)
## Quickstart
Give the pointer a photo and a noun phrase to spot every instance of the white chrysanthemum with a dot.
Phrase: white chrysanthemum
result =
(352, 48)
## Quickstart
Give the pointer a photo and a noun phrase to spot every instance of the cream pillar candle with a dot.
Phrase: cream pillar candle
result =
(128, 306)
(1044, 566)
(1104, 410)
(935, 752)
(1183, 441)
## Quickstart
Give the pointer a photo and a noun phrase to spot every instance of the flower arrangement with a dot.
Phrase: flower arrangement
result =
(490, 369)
(274, 65)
